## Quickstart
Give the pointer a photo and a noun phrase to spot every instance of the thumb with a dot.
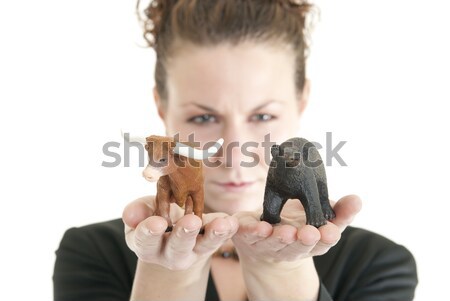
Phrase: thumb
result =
(346, 209)
(138, 210)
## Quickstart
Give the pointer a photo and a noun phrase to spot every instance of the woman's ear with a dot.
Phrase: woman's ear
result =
(304, 97)
(159, 105)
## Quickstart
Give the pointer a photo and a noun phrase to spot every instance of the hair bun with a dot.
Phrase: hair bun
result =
(299, 6)
(152, 18)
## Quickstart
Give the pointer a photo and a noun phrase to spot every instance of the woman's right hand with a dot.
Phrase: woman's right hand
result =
(181, 248)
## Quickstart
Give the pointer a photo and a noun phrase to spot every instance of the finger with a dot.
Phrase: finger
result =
(217, 232)
(251, 229)
(209, 217)
(138, 210)
(146, 240)
(329, 236)
(307, 238)
(176, 212)
(281, 236)
(346, 209)
(182, 240)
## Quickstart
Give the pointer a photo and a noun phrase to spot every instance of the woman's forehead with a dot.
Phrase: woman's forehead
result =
(242, 72)
(225, 59)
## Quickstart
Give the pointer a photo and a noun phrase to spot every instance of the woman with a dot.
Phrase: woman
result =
(231, 69)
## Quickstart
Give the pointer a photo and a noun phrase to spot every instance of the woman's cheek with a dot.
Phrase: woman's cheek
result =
(284, 129)
(275, 133)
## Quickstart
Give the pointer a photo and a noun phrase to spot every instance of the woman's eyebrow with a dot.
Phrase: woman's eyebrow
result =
(266, 104)
(206, 108)
(209, 109)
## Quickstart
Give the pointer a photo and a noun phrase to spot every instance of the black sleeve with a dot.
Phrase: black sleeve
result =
(391, 275)
(88, 267)
(365, 266)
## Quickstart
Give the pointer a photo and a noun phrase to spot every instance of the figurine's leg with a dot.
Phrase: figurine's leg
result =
(163, 198)
(328, 212)
(198, 203)
(273, 203)
(309, 198)
(188, 206)
(163, 209)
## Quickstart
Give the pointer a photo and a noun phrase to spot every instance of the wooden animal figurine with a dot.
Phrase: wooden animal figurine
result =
(297, 172)
(177, 168)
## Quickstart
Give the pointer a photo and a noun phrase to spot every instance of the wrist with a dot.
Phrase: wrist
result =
(176, 271)
(156, 282)
(282, 280)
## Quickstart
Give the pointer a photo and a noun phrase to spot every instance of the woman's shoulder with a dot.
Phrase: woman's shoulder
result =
(369, 241)
(112, 230)
(105, 240)
(365, 262)
(365, 246)
(114, 226)
(372, 245)
(94, 261)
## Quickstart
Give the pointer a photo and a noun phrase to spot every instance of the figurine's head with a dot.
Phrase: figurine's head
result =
(160, 157)
(234, 70)
(285, 155)
(166, 155)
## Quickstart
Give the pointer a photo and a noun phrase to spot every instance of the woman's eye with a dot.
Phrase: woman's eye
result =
(261, 117)
(205, 118)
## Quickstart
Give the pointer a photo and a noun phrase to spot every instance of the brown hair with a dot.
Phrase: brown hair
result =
(211, 22)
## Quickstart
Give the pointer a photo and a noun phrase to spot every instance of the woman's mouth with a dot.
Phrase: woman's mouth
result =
(234, 186)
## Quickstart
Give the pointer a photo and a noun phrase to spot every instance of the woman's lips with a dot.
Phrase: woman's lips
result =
(234, 186)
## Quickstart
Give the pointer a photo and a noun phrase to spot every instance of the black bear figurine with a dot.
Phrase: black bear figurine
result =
(297, 172)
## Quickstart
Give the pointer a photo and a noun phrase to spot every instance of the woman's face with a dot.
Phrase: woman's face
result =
(241, 94)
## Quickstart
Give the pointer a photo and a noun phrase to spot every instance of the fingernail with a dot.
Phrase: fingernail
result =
(148, 231)
(219, 233)
(189, 230)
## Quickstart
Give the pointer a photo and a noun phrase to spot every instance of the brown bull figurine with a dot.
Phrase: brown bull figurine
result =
(178, 169)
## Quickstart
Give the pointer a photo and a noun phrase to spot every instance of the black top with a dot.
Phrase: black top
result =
(94, 263)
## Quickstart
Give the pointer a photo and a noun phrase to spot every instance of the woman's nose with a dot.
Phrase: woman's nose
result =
(234, 137)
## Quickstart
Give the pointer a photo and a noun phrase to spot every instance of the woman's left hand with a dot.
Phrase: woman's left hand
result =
(291, 240)
(277, 260)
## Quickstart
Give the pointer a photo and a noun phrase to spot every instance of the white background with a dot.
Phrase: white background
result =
(72, 74)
